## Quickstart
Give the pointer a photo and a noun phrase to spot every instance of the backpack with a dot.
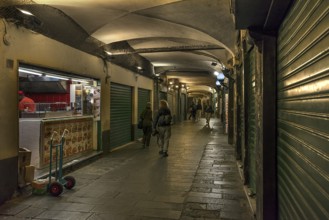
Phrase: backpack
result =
(165, 120)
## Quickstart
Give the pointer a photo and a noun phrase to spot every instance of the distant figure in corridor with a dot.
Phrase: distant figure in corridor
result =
(25, 103)
(209, 111)
(192, 111)
(198, 110)
(146, 116)
(162, 124)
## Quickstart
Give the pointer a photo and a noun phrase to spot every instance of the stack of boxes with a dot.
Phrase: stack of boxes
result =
(25, 169)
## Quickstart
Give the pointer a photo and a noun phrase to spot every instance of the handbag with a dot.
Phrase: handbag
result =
(140, 124)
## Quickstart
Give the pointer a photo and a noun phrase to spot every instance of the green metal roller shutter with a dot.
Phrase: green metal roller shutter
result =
(240, 117)
(303, 112)
(251, 119)
(183, 107)
(121, 115)
(163, 95)
(143, 98)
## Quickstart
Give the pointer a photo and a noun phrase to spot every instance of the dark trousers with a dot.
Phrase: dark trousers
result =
(147, 131)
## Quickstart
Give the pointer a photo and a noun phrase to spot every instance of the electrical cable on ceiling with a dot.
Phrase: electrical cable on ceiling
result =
(4, 38)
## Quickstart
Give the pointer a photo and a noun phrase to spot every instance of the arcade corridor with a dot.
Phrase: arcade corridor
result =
(199, 180)
(89, 68)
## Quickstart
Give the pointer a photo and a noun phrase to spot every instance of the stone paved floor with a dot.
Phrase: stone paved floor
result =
(199, 180)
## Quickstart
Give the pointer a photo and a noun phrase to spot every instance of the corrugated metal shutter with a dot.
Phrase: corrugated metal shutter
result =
(303, 112)
(250, 69)
(121, 115)
(143, 98)
(240, 117)
(163, 95)
(170, 99)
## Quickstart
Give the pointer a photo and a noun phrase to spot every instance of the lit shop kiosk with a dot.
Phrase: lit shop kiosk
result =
(62, 101)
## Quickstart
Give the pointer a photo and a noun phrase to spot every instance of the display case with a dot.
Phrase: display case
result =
(35, 135)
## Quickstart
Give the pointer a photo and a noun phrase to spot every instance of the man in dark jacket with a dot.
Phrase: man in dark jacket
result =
(162, 124)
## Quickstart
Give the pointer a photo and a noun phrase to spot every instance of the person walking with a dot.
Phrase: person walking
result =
(209, 111)
(198, 110)
(192, 111)
(146, 117)
(162, 124)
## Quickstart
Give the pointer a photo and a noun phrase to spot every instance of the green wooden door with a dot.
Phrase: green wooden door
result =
(303, 112)
(143, 98)
(121, 115)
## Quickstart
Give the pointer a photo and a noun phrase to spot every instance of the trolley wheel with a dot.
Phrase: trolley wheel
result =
(70, 182)
(55, 188)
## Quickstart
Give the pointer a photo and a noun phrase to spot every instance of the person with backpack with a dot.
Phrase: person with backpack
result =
(162, 124)
(209, 111)
(146, 122)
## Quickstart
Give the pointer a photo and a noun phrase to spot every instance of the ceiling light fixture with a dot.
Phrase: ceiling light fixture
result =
(57, 77)
(220, 76)
(216, 73)
(139, 68)
(25, 12)
(79, 80)
(171, 82)
(29, 72)
(109, 53)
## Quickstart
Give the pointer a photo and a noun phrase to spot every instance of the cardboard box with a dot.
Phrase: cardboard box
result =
(24, 157)
(29, 173)
(39, 184)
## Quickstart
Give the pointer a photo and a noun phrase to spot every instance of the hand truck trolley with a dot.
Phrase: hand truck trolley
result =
(55, 187)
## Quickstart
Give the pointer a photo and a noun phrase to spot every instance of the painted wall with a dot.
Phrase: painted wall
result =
(35, 49)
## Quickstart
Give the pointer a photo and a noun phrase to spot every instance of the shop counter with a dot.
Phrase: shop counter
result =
(35, 134)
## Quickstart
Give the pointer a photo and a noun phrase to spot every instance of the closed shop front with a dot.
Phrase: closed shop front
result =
(303, 112)
(183, 107)
(250, 153)
(143, 98)
(170, 101)
(121, 115)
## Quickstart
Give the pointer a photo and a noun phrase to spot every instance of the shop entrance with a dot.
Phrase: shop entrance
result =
(50, 101)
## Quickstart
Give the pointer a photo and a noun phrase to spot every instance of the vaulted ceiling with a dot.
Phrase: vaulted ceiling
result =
(186, 39)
